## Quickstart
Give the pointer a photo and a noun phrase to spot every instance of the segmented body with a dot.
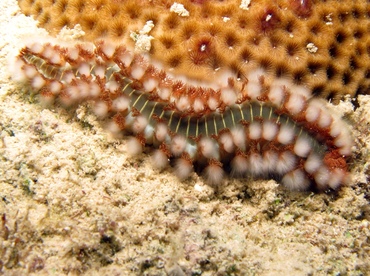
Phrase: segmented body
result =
(238, 126)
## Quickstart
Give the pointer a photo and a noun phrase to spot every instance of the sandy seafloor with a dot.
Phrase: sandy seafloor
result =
(73, 202)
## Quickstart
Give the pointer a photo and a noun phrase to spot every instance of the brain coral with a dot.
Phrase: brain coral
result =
(321, 44)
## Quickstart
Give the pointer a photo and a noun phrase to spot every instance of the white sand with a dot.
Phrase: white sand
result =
(73, 201)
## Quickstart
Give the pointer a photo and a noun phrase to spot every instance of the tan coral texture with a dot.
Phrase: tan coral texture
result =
(321, 44)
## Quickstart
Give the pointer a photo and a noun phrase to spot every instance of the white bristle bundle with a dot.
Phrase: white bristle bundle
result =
(209, 148)
(72, 53)
(286, 134)
(55, 59)
(239, 165)
(212, 103)
(336, 128)
(73, 92)
(47, 99)
(139, 124)
(84, 69)
(112, 86)
(295, 103)
(214, 174)
(38, 82)
(113, 127)
(228, 96)
(296, 180)
(270, 130)
(312, 112)
(19, 76)
(164, 93)
(30, 71)
(253, 86)
(346, 150)
(302, 147)
(255, 131)
(94, 90)
(313, 163)
(137, 72)
(149, 134)
(134, 146)
(178, 145)
(336, 178)
(48, 52)
(36, 48)
(100, 109)
(191, 150)
(322, 177)
(226, 141)
(108, 49)
(270, 159)
(239, 137)
(287, 161)
(121, 104)
(68, 77)
(255, 75)
(198, 105)
(276, 95)
(83, 90)
(159, 159)
(255, 164)
(99, 71)
(183, 103)
(126, 58)
(55, 87)
(253, 89)
(161, 132)
(16, 68)
(183, 168)
(88, 47)
(150, 84)
(129, 119)
(341, 140)
(325, 119)
(223, 78)
(301, 90)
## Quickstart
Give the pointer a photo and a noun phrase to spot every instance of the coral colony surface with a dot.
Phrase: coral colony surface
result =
(213, 86)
